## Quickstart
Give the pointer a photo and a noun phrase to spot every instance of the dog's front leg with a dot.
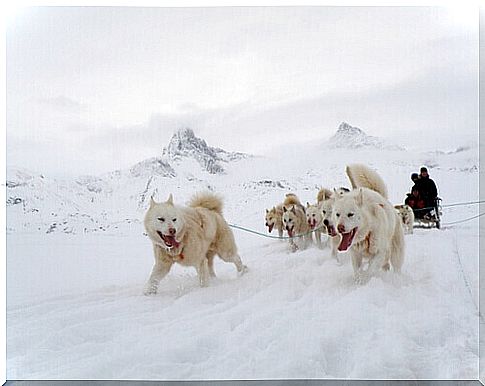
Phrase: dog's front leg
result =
(203, 273)
(375, 263)
(159, 271)
(280, 231)
(318, 238)
(335, 241)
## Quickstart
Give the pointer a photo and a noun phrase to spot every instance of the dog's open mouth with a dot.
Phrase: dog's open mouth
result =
(347, 239)
(290, 231)
(270, 227)
(170, 241)
(331, 230)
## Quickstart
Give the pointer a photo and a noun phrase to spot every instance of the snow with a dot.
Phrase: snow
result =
(75, 308)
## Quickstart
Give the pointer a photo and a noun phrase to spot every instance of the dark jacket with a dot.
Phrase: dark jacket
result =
(427, 190)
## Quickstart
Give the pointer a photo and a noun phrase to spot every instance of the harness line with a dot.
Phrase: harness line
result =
(322, 226)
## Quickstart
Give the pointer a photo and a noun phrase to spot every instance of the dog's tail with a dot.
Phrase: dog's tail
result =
(324, 194)
(207, 200)
(361, 176)
(291, 199)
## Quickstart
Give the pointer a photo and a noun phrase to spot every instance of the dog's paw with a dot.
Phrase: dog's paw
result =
(360, 278)
(243, 270)
(150, 290)
(386, 267)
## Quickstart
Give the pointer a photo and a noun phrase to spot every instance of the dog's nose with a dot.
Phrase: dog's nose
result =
(341, 228)
(172, 231)
(325, 222)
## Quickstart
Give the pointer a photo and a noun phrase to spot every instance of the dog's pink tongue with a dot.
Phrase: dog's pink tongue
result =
(172, 241)
(345, 242)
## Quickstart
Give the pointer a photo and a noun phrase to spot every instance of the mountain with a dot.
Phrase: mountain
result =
(184, 144)
(350, 137)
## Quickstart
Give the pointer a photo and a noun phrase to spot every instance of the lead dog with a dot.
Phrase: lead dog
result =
(190, 236)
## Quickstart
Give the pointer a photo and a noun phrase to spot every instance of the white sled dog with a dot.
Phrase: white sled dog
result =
(274, 218)
(190, 236)
(407, 216)
(326, 200)
(294, 222)
(315, 222)
(369, 225)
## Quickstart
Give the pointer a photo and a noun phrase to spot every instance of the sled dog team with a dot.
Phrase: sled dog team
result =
(361, 220)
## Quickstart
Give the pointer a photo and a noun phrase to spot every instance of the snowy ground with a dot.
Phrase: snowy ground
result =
(75, 307)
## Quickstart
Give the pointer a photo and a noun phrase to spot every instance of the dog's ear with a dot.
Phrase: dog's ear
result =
(267, 211)
(359, 199)
(307, 204)
(293, 209)
(152, 202)
(284, 209)
(170, 200)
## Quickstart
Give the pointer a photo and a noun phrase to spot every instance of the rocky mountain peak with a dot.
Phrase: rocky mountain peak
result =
(352, 137)
(185, 144)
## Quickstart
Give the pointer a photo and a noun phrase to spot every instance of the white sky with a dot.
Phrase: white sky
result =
(95, 89)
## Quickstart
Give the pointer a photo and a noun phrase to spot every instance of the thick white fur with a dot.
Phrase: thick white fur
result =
(200, 232)
(361, 176)
(407, 217)
(314, 219)
(294, 221)
(326, 206)
(378, 231)
(274, 219)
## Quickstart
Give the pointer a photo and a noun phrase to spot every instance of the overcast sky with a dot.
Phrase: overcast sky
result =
(95, 89)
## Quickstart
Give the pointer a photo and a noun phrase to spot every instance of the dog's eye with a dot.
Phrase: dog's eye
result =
(337, 214)
(324, 212)
(350, 214)
(174, 219)
(161, 219)
(313, 215)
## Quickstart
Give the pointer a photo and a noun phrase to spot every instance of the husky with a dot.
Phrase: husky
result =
(359, 176)
(274, 218)
(189, 235)
(370, 226)
(315, 222)
(294, 222)
(326, 199)
(407, 216)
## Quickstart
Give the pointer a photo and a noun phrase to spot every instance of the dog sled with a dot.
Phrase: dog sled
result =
(429, 217)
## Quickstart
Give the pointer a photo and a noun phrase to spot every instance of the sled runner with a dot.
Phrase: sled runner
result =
(428, 217)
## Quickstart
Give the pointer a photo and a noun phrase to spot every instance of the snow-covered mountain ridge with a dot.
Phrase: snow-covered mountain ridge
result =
(350, 137)
(116, 201)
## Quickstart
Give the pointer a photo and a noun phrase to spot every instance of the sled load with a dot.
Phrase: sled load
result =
(424, 201)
